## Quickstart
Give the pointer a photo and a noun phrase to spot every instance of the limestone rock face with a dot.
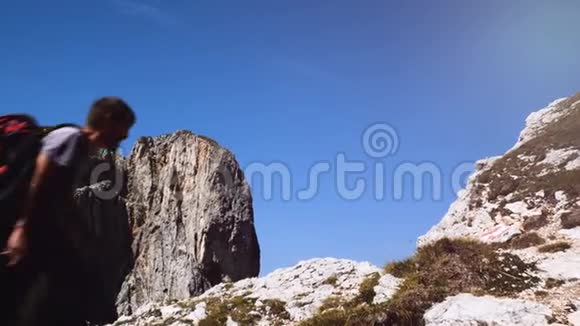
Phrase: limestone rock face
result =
(191, 216)
(169, 221)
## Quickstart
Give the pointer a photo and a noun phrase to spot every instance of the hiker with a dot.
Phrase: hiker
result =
(42, 248)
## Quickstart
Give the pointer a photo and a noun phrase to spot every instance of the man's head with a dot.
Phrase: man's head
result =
(109, 121)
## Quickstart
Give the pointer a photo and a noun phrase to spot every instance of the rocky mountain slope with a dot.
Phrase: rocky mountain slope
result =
(534, 186)
(285, 296)
(506, 253)
(529, 198)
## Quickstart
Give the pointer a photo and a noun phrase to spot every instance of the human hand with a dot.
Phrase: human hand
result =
(16, 246)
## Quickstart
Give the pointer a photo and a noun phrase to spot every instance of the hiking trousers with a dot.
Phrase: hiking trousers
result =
(54, 292)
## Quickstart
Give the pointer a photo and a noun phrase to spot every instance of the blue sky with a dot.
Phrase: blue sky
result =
(297, 82)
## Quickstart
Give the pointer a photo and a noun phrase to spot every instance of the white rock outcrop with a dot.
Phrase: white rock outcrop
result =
(574, 318)
(388, 284)
(301, 289)
(561, 266)
(537, 121)
(468, 310)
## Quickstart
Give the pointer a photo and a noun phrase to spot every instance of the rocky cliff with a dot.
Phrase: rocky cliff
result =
(191, 216)
(506, 253)
(169, 221)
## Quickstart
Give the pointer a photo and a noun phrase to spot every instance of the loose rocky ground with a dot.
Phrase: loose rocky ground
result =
(506, 253)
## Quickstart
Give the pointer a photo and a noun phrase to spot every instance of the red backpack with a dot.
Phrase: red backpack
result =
(20, 142)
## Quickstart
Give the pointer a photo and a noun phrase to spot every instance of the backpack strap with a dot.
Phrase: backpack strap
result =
(45, 130)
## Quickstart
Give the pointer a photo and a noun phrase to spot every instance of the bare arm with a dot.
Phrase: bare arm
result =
(16, 247)
(42, 169)
(58, 148)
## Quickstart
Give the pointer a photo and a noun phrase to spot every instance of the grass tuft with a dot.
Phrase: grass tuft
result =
(367, 289)
(571, 219)
(276, 308)
(401, 268)
(555, 247)
(332, 280)
(553, 283)
(525, 240)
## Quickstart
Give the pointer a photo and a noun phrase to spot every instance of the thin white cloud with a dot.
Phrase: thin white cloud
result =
(303, 68)
(147, 11)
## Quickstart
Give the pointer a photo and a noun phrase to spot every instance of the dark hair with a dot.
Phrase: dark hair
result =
(108, 110)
